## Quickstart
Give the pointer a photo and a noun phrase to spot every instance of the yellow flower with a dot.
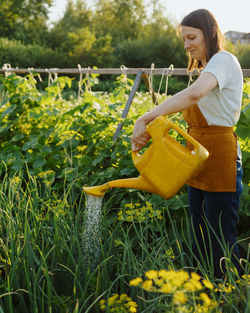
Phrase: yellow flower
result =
(119, 303)
(102, 304)
(181, 277)
(184, 309)
(201, 309)
(118, 242)
(159, 281)
(246, 277)
(46, 173)
(227, 288)
(166, 288)
(112, 299)
(129, 219)
(15, 180)
(197, 285)
(170, 253)
(129, 205)
(205, 298)
(81, 148)
(135, 282)
(207, 284)
(189, 286)
(123, 297)
(164, 274)
(138, 213)
(102, 301)
(195, 276)
(180, 298)
(131, 303)
(151, 274)
(147, 285)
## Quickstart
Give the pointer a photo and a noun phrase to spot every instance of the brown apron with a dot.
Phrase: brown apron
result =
(218, 173)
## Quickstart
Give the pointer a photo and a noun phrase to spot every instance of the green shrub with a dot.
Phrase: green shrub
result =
(243, 54)
(25, 56)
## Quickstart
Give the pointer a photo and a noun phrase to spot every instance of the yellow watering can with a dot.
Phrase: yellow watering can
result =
(165, 166)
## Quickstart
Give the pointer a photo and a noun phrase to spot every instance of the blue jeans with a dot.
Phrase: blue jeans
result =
(214, 217)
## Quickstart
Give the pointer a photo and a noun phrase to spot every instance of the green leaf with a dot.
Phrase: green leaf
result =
(39, 161)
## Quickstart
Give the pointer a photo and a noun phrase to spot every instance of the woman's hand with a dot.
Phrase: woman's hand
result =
(140, 135)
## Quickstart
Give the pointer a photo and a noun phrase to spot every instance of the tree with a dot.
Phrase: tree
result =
(75, 34)
(157, 43)
(122, 19)
(24, 20)
(76, 16)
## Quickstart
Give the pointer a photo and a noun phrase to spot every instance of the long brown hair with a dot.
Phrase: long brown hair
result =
(214, 39)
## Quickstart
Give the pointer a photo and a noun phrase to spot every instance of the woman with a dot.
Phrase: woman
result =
(211, 106)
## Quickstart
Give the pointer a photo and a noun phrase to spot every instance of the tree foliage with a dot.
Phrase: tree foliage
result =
(105, 33)
(24, 19)
(115, 32)
(123, 19)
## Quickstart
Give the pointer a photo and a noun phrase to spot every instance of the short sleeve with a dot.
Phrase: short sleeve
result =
(222, 105)
(219, 65)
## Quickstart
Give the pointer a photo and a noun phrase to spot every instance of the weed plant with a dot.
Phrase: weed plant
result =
(43, 267)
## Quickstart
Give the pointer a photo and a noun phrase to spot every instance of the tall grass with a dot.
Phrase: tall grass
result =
(39, 248)
(42, 262)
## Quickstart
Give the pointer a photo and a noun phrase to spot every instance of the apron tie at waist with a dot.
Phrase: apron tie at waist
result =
(210, 129)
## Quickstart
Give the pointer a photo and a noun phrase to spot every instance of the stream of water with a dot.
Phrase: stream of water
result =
(91, 231)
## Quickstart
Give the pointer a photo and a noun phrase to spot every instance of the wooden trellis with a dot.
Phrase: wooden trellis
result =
(105, 71)
(139, 72)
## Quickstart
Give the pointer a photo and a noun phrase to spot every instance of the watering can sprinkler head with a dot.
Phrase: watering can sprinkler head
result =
(96, 191)
(164, 167)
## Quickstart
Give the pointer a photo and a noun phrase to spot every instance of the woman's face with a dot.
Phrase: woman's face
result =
(194, 43)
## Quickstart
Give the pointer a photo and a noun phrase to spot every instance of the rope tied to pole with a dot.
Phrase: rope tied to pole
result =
(168, 72)
(5, 67)
(50, 72)
(31, 70)
(124, 70)
(84, 81)
(190, 77)
(162, 76)
(87, 85)
(151, 78)
(80, 91)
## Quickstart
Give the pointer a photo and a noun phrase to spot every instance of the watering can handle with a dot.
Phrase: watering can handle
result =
(184, 134)
(160, 128)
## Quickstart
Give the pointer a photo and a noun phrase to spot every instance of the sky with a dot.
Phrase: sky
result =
(230, 15)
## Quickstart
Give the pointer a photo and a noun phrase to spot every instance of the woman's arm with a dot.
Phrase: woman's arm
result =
(178, 102)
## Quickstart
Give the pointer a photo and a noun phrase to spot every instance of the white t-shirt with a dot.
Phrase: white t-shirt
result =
(222, 105)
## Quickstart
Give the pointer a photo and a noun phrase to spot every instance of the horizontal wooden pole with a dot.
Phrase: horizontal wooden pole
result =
(105, 71)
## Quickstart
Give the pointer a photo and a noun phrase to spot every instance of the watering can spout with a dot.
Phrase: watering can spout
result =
(131, 183)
